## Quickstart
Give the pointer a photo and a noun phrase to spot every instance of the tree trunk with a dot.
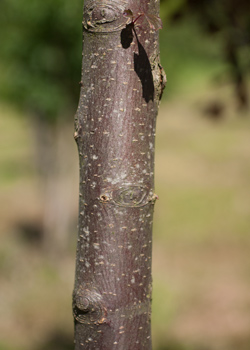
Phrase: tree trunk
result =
(237, 73)
(122, 82)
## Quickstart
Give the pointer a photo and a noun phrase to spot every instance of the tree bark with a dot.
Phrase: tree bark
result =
(121, 85)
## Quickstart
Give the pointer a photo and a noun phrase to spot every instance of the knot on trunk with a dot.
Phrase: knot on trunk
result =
(103, 16)
(127, 195)
(88, 307)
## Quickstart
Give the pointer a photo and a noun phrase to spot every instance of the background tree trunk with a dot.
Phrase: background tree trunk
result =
(122, 82)
(53, 160)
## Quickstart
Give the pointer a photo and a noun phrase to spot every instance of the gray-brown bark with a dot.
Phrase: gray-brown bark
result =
(121, 85)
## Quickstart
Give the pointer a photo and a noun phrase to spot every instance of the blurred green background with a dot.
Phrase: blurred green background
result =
(201, 265)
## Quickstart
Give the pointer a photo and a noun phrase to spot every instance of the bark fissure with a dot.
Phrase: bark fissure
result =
(115, 132)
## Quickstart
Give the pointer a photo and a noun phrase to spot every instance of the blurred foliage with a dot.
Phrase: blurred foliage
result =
(41, 54)
(169, 8)
(189, 58)
(228, 20)
(41, 48)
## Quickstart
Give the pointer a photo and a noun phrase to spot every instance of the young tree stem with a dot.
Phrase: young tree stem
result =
(122, 82)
